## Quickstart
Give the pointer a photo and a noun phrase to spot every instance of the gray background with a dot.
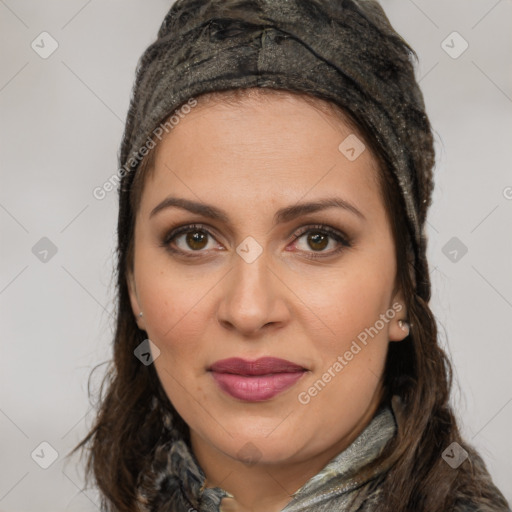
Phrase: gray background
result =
(61, 125)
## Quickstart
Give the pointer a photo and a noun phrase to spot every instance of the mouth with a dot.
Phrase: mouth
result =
(255, 381)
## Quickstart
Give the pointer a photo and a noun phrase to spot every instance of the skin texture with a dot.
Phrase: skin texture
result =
(251, 159)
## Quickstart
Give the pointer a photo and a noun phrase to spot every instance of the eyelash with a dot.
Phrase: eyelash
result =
(317, 228)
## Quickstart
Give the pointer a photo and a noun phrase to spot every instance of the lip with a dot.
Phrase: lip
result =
(255, 381)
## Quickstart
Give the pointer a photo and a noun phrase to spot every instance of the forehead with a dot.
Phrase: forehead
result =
(262, 144)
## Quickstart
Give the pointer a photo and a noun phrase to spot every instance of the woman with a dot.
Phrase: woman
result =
(275, 349)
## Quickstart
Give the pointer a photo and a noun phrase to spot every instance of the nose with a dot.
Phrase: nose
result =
(254, 297)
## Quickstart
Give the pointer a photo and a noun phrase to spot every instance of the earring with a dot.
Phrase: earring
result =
(140, 314)
(404, 325)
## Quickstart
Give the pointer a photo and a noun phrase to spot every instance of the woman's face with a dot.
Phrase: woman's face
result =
(288, 254)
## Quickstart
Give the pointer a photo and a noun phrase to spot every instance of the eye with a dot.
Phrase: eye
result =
(194, 238)
(318, 238)
(188, 239)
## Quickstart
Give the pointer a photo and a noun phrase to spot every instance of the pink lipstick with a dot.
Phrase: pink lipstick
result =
(255, 381)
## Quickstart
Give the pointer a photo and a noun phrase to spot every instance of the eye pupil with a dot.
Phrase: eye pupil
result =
(318, 238)
(194, 237)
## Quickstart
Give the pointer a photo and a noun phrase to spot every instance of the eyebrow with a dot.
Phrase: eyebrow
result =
(283, 215)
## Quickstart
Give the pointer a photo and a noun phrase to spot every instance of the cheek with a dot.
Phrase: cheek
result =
(351, 357)
(350, 301)
(179, 314)
(172, 298)
(175, 321)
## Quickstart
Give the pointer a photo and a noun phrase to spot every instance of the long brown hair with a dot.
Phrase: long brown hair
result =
(131, 398)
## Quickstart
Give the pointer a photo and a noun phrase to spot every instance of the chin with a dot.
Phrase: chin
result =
(265, 442)
(252, 451)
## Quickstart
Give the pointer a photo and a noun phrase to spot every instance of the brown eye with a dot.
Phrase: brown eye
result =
(196, 240)
(188, 240)
(318, 241)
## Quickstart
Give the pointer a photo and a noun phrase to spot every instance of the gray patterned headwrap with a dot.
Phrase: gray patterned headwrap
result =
(343, 51)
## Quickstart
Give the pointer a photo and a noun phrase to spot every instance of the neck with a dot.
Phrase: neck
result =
(265, 487)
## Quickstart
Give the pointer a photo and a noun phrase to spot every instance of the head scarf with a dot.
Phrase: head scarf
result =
(343, 51)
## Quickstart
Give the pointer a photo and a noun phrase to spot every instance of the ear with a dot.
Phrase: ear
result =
(399, 327)
(134, 300)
